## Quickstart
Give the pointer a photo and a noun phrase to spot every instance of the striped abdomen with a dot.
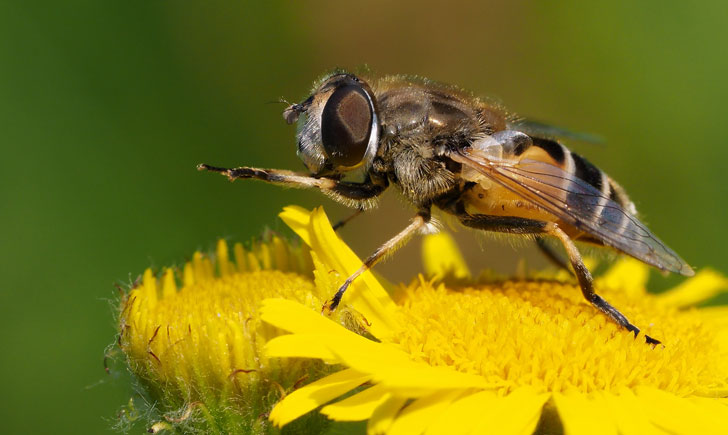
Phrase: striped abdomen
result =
(511, 174)
(552, 152)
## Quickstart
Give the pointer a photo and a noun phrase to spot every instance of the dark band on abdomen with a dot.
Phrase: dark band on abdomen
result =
(587, 172)
(554, 149)
(617, 195)
(613, 195)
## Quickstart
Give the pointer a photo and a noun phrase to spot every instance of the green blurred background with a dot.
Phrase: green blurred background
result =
(106, 108)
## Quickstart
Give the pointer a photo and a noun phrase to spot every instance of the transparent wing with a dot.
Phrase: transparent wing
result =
(579, 204)
(547, 131)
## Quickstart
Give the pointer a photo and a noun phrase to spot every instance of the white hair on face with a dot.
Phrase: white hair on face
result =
(310, 147)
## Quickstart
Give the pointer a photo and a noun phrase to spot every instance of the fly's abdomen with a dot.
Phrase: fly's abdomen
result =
(551, 152)
(579, 171)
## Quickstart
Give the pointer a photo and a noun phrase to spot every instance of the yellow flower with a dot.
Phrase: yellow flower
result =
(196, 345)
(510, 357)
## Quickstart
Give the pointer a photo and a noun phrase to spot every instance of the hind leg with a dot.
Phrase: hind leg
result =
(514, 225)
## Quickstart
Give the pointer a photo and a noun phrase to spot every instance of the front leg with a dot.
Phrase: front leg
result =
(351, 194)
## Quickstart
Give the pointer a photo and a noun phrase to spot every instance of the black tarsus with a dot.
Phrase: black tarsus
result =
(336, 300)
(206, 167)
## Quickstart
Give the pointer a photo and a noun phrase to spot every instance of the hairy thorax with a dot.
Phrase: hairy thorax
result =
(418, 125)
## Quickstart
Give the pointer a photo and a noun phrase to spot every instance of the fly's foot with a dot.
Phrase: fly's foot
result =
(328, 308)
(331, 305)
(635, 330)
(651, 340)
(206, 167)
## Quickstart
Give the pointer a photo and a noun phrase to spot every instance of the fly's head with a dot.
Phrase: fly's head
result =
(337, 126)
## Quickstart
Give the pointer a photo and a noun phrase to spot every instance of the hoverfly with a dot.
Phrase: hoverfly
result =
(447, 149)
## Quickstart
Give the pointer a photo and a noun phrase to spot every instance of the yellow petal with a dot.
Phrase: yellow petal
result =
(628, 275)
(703, 286)
(149, 287)
(716, 313)
(358, 407)
(299, 220)
(584, 415)
(393, 369)
(300, 346)
(293, 317)
(718, 409)
(442, 258)
(628, 413)
(224, 266)
(722, 340)
(383, 417)
(415, 418)
(516, 414)
(368, 296)
(365, 295)
(314, 395)
(327, 339)
(169, 287)
(679, 415)
(718, 316)
(462, 414)
(416, 382)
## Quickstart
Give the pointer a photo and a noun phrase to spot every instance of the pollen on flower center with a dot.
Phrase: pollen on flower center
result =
(542, 334)
(195, 336)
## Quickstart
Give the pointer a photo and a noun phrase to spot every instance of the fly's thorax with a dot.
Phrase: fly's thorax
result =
(338, 126)
(412, 109)
(420, 177)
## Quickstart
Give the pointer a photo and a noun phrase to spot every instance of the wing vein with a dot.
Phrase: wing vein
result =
(576, 203)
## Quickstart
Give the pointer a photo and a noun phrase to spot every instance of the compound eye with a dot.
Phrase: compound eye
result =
(346, 124)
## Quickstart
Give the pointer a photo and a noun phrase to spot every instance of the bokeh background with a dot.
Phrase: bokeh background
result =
(106, 108)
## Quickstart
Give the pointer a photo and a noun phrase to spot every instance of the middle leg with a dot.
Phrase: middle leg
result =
(391, 245)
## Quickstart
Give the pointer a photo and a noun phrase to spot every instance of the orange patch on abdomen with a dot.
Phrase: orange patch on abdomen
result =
(492, 199)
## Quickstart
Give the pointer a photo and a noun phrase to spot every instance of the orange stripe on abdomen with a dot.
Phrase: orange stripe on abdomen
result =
(548, 151)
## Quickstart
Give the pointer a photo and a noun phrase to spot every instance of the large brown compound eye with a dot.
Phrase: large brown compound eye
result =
(346, 124)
